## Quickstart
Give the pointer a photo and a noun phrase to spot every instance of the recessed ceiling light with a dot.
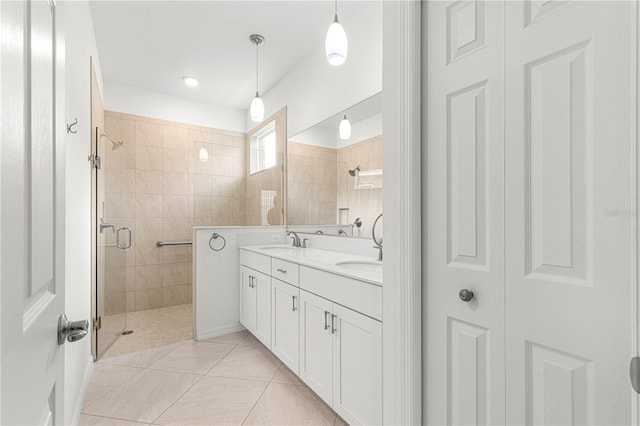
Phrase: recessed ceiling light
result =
(190, 81)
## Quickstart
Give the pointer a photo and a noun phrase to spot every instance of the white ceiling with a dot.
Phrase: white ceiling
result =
(153, 44)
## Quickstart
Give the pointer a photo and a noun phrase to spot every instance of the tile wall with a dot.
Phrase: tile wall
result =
(170, 190)
(311, 183)
(363, 203)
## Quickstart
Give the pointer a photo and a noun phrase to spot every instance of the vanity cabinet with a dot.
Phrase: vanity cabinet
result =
(255, 303)
(285, 303)
(324, 326)
(341, 358)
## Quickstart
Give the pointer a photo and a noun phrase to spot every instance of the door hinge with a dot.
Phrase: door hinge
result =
(96, 161)
(97, 323)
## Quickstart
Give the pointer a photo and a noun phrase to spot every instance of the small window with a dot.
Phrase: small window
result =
(263, 149)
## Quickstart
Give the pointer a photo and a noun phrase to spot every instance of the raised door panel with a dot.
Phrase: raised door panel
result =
(316, 345)
(465, 212)
(247, 299)
(285, 342)
(570, 168)
(357, 367)
(262, 289)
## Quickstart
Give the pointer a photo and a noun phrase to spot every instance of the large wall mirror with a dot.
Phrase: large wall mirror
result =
(334, 174)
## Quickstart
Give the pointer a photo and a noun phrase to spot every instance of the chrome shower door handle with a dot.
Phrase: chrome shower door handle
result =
(128, 244)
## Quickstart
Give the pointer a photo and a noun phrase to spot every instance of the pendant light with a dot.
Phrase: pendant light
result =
(335, 45)
(345, 128)
(257, 106)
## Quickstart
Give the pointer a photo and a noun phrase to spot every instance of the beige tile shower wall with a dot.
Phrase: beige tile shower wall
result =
(363, 203)
(169, 191)
(311, 182)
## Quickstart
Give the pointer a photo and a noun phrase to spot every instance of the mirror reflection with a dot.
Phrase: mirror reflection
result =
(335, 170)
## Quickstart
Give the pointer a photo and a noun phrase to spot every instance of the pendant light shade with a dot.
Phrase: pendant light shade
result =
(256, 110)
(203, 155)
(335, 45)
(345, 128)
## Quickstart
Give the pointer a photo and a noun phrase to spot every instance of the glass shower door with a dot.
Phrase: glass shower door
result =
(114, 239)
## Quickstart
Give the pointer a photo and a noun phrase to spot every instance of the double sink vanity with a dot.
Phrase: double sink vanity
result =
(320, 312)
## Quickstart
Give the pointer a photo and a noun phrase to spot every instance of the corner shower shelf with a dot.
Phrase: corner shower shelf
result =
(369, 179)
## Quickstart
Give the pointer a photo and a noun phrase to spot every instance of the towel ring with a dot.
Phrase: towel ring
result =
(215, 236)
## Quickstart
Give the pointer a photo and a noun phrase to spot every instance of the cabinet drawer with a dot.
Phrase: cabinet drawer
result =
(284, 271)
(256, 261)
(360, 296)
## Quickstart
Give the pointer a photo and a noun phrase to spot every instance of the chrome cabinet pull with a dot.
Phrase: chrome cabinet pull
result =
(284, 271)
(333, 325)
(128, 244)
(293, 303)
(326, 320)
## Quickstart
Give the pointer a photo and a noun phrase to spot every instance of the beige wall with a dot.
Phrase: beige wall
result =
(363, 203)
(169, 191)
(311, 183)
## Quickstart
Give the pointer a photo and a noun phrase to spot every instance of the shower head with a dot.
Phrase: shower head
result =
(353, 172)
(115, 144)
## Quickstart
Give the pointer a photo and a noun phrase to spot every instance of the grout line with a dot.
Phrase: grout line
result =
(256, 403)
(179, 397)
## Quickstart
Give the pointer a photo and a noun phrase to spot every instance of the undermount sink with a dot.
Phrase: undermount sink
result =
(280, 249)
(361, 265)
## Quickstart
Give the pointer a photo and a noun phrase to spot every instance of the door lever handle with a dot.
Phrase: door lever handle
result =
(71, 331)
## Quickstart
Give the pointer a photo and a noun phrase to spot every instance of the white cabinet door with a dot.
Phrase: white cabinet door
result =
(357, 366)
(570, 194)
(316, 350)
(284, 323)
(262, 287)
(247, 299)
(464, 368)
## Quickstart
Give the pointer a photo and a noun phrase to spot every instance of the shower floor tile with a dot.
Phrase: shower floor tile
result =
(154, 328)
(201, 383)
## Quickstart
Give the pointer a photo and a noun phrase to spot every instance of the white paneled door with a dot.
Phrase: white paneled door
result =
(570, 203)
(32, 211)
(532, 207)
(464, 381)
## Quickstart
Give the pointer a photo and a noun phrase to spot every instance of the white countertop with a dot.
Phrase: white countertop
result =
(320, 259)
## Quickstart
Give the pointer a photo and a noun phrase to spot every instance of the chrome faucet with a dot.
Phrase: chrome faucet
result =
(341, 232)
(378, 243)
(296, 239)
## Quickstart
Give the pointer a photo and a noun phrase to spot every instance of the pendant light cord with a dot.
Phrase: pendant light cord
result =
(257, 58)
(336, 10)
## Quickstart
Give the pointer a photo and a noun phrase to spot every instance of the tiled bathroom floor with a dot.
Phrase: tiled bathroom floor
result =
(153, 328)
(231, 379)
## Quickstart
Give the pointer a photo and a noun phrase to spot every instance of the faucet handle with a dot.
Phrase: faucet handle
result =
(304, 243)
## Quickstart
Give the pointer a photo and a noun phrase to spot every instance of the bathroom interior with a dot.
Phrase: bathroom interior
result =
(164, 186)
(215, 231)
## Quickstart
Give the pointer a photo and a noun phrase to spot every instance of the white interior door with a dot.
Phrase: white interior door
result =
(570, 131)
(464, 381)
(32, 211)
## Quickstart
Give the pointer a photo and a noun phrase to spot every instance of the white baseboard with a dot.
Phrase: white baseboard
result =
(219, 331)
(86, 379)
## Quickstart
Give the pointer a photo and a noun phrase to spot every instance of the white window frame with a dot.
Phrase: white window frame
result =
(257, 149)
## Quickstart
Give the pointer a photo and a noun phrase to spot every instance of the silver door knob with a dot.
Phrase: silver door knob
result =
(71, 331)
(466, 295)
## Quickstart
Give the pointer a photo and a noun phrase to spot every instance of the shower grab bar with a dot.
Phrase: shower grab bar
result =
(173, 243)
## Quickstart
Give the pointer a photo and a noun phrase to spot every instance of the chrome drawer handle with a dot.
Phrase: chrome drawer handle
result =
(333, 325)
(293, 303)
(326, 320)
(284, 271)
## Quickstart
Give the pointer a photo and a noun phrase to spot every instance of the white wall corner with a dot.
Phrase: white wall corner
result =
(84, 387)
(402, 352)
